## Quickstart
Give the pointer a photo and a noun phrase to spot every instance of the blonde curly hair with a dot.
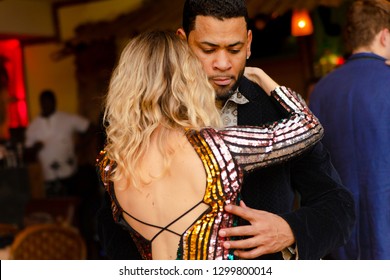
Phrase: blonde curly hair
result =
(158, 83)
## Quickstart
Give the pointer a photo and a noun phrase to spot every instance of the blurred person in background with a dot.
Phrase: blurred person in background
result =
(353, 104)
(50, 139)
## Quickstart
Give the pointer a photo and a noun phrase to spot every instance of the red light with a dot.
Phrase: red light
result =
(340, 60)
(17, 107)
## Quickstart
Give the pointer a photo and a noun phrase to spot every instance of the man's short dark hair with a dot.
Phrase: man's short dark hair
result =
(219, 9)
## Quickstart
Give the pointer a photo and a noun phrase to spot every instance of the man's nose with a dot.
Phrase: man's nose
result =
(222, 61)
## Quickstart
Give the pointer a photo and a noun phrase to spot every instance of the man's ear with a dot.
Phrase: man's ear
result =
(181, 33)
(248, 47)
(385, 36)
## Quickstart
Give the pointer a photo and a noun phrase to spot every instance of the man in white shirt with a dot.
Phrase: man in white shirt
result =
(51, 137)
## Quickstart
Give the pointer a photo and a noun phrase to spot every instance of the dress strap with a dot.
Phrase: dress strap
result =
(166, 228)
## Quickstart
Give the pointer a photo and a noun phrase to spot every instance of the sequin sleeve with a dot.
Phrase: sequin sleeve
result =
(258, 146)
(104, 168)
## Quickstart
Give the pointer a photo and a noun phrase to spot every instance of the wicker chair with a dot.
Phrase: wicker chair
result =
(48, 242)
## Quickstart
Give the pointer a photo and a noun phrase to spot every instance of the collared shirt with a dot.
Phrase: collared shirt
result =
(229, 109)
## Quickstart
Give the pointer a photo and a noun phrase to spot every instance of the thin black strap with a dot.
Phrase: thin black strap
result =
(174, 221)
(149, 224)
(166, 228)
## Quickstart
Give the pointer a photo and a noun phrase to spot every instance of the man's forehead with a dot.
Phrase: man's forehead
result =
(211, 30)
(201, 20)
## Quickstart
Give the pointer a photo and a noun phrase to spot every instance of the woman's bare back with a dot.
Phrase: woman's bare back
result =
(166, 197)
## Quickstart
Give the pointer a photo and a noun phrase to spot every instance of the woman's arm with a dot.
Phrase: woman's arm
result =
(258, 76)
(260, 146)
(272, 88)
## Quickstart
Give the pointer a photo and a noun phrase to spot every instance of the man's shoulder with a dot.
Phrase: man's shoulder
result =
(37, 122)
(260, 109)
(71, 117)
(63, 114)
(250, 89)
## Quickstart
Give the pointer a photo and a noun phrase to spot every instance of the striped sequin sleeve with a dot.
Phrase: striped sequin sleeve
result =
(259, 146)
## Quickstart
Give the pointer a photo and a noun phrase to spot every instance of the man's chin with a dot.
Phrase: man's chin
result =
(224, 93)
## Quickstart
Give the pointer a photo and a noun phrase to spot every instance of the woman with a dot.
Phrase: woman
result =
(169, 166)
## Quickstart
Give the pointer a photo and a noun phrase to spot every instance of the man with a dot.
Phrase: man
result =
(50, 137)
(216, 31)
(352, 102)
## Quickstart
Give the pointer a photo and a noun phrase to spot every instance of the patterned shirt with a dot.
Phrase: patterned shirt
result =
(229, 109)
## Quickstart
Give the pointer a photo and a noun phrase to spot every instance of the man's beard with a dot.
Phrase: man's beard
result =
(223, 94)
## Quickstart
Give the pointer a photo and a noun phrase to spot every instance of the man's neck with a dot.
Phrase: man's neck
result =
(362, 50)
(367, 50)
(374, 47)
(48, 115)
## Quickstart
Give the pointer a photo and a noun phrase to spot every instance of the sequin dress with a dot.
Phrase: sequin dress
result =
(226, 155)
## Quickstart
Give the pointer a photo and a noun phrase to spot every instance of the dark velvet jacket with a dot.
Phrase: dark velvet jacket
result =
(322, 222)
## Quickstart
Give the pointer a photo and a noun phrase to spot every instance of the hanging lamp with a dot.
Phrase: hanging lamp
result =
(301, 24)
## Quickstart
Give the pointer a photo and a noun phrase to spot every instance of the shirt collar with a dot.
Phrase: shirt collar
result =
(236, 98)
(229, 111)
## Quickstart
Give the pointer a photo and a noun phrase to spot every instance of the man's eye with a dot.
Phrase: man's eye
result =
(208, 50)
(234, 51)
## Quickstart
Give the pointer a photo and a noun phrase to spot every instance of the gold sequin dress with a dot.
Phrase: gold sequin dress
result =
(226, 155)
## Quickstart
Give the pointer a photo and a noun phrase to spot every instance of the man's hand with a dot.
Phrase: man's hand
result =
(267, 233)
